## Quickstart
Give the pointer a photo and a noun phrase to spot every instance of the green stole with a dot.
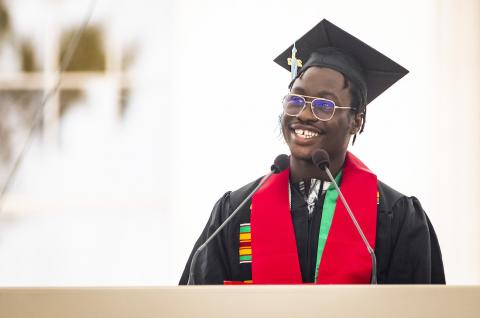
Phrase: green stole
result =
(328, 210)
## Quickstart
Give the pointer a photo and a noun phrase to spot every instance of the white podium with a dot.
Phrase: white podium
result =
(242, 301)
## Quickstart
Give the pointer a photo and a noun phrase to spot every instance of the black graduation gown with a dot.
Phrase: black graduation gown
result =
(406, 246)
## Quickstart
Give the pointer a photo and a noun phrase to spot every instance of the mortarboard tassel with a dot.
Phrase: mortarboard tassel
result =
(294, 62)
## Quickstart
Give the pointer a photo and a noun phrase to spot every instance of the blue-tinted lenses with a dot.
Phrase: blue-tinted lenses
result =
(294, 102)
(323, 109)
(323, 106)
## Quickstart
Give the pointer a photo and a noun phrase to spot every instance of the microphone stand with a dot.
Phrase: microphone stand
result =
(373, 280)
(191, 276)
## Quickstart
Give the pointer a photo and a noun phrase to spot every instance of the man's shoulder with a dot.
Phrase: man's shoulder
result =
(393, 201)
(227, 204)
(237, 196)
(388, 196)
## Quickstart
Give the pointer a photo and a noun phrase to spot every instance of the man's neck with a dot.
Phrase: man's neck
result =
(305, 169)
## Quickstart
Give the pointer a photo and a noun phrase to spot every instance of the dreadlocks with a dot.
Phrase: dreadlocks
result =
(359, 103)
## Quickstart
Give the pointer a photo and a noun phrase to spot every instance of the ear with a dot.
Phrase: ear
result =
(281, 122)
(356, 124)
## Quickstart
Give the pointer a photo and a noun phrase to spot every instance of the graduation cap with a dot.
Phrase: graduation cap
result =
(326, 45)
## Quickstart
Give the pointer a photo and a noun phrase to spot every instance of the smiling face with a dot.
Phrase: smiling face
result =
(304, 133)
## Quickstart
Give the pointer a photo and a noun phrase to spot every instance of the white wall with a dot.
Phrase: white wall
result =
(122, 203)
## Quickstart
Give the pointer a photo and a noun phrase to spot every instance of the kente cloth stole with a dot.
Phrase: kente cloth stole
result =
(344, 259)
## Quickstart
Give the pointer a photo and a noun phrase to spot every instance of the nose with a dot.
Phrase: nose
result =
(306, 113)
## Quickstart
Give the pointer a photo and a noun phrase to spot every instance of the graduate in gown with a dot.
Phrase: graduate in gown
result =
(293, 230)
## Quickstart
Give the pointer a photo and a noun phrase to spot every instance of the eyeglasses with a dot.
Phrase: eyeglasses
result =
(323, 109)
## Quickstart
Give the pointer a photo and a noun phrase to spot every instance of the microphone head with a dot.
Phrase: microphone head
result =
(321, 159)
(281, 163)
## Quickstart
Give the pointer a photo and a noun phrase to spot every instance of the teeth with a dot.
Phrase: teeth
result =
(305, 133)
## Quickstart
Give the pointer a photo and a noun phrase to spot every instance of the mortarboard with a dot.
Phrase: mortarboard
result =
(326, 45)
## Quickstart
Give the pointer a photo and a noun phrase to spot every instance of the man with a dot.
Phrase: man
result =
(294, 230)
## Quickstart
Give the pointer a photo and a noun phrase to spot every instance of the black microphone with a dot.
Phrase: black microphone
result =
(281, 163)
(321, 159)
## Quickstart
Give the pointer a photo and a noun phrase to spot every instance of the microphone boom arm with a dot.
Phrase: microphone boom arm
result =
(369, 248)
(191, 276)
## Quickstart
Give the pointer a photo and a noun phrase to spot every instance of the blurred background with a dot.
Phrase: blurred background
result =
(166, 105)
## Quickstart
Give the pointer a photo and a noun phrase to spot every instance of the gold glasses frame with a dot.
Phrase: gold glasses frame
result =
(311, 105)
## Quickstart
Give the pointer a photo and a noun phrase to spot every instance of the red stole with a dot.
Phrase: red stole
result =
(345, 258)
